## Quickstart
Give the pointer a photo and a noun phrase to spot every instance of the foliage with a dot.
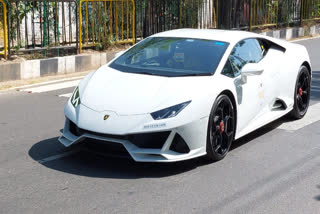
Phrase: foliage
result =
(152, 16)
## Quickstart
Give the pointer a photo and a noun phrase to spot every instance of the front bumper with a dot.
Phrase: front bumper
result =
(176, 144)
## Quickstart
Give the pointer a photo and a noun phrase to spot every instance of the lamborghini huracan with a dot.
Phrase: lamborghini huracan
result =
(187, 93)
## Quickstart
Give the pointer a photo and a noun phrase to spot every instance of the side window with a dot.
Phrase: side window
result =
(246, 51)
(228, 70)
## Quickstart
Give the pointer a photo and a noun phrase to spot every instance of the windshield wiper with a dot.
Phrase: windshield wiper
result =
(143, 72)
(195, 74)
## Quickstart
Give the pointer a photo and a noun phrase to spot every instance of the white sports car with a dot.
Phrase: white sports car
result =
(187, 93)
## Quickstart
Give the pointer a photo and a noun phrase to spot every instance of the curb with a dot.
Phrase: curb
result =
(49, 67)
(294, 32)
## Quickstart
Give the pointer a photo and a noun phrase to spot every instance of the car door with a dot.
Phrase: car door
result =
(250, 95)
(274, 76)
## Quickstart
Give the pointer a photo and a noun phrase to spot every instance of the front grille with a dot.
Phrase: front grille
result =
(106, 148)
(75, 130)
(153, 140)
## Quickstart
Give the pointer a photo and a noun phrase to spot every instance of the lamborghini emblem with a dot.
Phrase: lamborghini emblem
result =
(106, 117)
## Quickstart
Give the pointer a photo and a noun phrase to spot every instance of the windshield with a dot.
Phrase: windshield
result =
(172, 57)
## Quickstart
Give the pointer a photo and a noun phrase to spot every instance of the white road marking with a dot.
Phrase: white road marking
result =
(58, 156)
(52, 87)
(65, 95)
(312, 116)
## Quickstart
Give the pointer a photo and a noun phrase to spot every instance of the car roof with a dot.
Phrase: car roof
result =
(230, 36)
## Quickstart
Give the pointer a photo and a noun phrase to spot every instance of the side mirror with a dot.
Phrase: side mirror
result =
(118, 54)
(250, 69)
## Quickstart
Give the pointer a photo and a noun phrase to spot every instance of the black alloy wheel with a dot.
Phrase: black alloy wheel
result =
(221, 128)
(301, 94)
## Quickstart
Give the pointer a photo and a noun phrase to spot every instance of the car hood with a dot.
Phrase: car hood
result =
(132, 94)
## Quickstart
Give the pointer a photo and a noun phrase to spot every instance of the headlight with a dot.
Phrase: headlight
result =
(75, 98)
(169, 112)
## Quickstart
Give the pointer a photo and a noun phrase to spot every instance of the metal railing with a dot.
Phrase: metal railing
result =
(263, 13)
(62, 27)
(96, 15)
(234, 14)
(3, 29)
(310, 10)
(43, 26)
(155, 16)
(289, 13)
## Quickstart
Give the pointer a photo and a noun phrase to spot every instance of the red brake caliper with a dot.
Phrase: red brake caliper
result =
(221, 127)
(300, 92)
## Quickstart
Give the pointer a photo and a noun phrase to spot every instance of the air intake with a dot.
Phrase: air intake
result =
(179, 145)
(279, 105)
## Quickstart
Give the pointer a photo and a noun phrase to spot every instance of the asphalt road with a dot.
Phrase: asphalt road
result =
(273, 170)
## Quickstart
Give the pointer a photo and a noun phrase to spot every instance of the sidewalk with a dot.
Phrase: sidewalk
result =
(56, 66)
(19, 84)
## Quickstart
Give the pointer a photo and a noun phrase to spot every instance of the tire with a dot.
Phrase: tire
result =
(301, 94)
(221, 128)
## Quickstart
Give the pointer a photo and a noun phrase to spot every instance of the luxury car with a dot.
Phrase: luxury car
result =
(187, 93)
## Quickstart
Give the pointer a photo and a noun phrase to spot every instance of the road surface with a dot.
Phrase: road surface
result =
(273, 170)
